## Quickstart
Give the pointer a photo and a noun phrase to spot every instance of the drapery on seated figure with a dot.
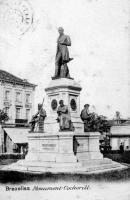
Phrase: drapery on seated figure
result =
(64, 118)
(62, 55)
(85, 116)
(38, 119)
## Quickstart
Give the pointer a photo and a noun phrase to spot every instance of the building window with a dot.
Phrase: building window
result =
(18, 97)
(18, 113)
(7, 95)
(28, 114)
(27, 98)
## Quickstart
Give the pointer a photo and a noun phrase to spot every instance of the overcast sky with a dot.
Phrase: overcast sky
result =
(99, 31)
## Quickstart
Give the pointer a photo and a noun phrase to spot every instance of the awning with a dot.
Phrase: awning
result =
(17, 135)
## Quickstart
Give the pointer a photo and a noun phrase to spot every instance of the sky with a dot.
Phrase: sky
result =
(99, 31)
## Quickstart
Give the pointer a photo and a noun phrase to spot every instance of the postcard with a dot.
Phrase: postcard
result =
(64, 99)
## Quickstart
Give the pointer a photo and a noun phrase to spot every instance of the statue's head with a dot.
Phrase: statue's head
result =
(61, 102)
(60, 30)
(86, 106)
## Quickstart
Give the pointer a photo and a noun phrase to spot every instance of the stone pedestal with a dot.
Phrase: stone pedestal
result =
(64, 152)
(69, 91)
(55, 148)
(64, 147)
(86, 146)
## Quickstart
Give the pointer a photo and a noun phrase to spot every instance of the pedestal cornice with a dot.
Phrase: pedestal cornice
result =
(64, 83)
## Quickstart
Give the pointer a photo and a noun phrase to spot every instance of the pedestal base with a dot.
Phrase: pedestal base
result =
(64, 152)
(51, 147)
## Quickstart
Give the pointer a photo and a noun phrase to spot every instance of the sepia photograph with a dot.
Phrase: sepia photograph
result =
(64, 99)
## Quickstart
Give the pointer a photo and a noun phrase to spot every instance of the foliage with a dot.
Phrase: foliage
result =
(3, 116)
(98, 123)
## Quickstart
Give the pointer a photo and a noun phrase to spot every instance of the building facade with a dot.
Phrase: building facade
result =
(16, 97)
(120, 134)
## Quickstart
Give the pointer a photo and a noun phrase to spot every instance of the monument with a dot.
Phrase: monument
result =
(62, 145)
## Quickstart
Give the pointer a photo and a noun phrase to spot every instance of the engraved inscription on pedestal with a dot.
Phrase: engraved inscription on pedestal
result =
(48, 145)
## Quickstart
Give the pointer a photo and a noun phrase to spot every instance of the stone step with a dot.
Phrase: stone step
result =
(49, 164)
(94, 161)
(54, 157)
(63, 168)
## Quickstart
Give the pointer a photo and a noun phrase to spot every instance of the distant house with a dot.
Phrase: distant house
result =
(17, 100)
(16, 97)
(120, 134)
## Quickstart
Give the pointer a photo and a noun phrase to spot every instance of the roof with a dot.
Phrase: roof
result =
(10, 78)
(17, 135)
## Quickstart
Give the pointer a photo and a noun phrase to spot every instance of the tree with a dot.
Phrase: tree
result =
(3, 116)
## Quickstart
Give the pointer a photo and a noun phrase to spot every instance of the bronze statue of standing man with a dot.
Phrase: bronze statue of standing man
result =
(62, 55)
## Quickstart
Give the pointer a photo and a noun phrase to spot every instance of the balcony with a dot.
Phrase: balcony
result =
(7, 103)
(28, 105)
(21, 122)
(19, 103)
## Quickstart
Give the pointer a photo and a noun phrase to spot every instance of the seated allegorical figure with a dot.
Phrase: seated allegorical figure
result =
(85, 116)
(64, 117)
(94, 122)
(37, 122)
(89, 119)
